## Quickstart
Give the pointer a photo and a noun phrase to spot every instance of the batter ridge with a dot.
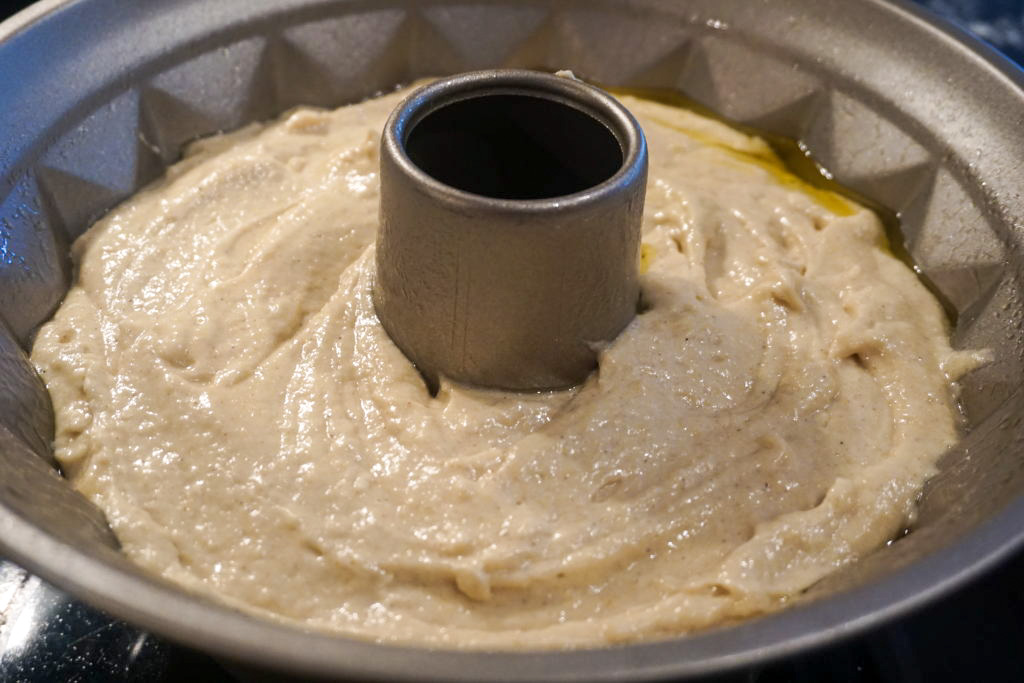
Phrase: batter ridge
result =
(225, 393)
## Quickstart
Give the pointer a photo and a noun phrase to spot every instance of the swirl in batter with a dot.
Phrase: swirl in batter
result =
(225, 393)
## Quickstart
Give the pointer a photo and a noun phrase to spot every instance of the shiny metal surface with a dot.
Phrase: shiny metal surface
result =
(99, 95)
(511, 292)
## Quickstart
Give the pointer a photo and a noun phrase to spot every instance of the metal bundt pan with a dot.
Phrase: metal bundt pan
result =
(99, 95)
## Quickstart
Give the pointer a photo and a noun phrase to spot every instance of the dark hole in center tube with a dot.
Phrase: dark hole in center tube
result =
(514, 147)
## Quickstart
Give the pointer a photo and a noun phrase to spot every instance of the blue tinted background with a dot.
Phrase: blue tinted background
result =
(1000, 22)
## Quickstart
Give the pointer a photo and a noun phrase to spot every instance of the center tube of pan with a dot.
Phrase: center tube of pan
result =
(511, 205)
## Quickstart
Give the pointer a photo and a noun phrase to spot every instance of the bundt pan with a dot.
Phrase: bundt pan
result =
(99, 96)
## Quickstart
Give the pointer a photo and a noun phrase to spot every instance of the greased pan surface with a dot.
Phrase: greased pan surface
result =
(99, 95)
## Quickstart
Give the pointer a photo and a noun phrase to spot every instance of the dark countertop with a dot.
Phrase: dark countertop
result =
(975, 635)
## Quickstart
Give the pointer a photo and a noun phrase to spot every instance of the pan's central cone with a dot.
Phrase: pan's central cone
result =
(511, 204)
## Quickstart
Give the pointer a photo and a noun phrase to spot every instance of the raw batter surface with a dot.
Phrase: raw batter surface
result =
(225, 393)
